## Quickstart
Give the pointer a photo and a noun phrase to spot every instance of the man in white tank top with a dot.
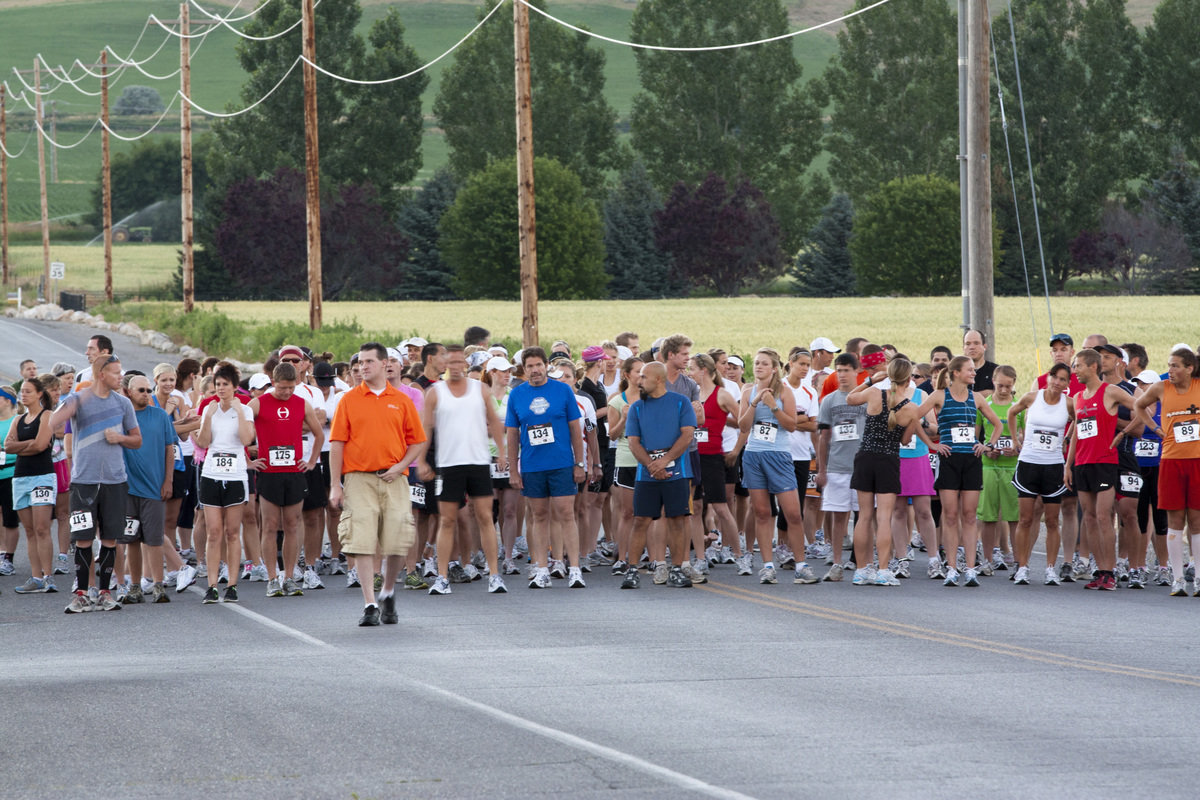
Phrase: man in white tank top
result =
(463, 416)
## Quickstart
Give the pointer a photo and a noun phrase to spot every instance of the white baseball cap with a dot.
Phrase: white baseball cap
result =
(416, 341)
(394, 353)
(259, 380)
(1181, 346)
(623, 352)
(823, 343)
(1147, 376)
(497, 362)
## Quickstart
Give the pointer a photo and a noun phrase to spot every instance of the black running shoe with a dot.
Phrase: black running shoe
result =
(370, 616)
(388, 616)
(211, 595)
(231, 594)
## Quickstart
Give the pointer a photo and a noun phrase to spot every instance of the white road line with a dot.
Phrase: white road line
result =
(571, 740)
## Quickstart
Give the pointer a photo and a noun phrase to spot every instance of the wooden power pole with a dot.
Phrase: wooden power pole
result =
(3, 188)
(185, 161)
(312, 210)
(41, 140)
(106, 179)
(979, 181)
(525, 195)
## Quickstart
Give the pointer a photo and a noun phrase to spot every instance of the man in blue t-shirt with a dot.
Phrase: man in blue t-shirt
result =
(659, 428)
(545, 447)
(102, 423)
(150, 470)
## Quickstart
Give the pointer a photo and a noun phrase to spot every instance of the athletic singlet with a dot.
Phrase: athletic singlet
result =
(765, 433)
(915, 448)
(1094, 429)
(800, 442)
(1148, 448)
(877, 437)
(501, 405)
(462, 426)
(708, 435)
(1181, 421)
(1044, 426)
(956, 423)
(1124, 415)
(35, 463)
(625, 456)
(279, 427)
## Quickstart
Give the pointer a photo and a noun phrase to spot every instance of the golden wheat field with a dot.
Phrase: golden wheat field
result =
(744, 324)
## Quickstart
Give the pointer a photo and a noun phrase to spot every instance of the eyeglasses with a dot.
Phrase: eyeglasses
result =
(110, 360)
(140, 391)
(290, 360)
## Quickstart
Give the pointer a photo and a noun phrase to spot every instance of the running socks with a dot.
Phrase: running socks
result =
(108, 556)
(1175, 552)
(83, 566)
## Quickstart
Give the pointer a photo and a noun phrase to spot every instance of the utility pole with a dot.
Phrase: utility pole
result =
(979, 179)
(3, 188)
(312, 208)
(106, 178)
(185, 161)
(54, 141)
(527, 233)
(37, 82)
(964, 210)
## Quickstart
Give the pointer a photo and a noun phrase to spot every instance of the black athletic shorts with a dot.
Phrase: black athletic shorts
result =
(222, 494)
(712, 478)
(878, 473)
(1129, 480)
(282, 489)
(960, 472)
(626, 477)
(1040, 480)
(1096, 477)
(651, 498)
(317, 494)
(454, 484)
(608, 463)
(97, 509)
(10, 518)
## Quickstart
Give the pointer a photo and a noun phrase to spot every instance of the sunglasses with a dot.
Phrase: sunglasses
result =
(290, 360)
(141, 391)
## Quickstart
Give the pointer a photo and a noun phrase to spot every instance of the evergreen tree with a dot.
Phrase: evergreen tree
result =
(637, 268)
(426, 275)
(1176, 198)
(823, 267)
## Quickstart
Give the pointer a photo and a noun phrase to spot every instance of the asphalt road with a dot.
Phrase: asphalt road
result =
(48, 342)
(733, 689)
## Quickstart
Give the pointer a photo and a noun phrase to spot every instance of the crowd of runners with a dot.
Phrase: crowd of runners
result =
(427, 465)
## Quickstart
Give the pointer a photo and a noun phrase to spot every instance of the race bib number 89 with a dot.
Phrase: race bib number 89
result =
(1186, 431)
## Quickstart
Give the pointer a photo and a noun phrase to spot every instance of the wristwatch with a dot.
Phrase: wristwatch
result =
(580, 465)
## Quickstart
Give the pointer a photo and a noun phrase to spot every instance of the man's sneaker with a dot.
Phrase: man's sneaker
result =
(337, 566)
(6, 566)
(916, 541)
(292, 589)
(998, 562)
(414, 581)
(496, 585)
(700, 566)
(521, 546)
(540, 579)
(586, 562)
(767, 575)
(619, 568)
(387, 610)
(575, 579)
(1179, 588)
(509, 568)
(1137, 578)
(210, 596)
(298, 570)
(429, 568)
(158, 594)
(745, 564)
(631, 580)
(61, 564)
(935, 571)
(1051, 577)
(352, 578)
(456, 573)
(440, 586)
(105, 602)
(223, 573)
(693, 574)
(312, 580)
(558, 569)
(903, 568)
(1022, 576)
(370, 617)
(960, 560)
(170, 578)
(660, 573)
(1080, 569)
(784, 556)
(188, 556)
(80, 604)
(885, 577)
(31, 586)
(712, 554)
(972, 577)
(1094, 583)
(231, 594)
(1121, 571)
(472, 572)
(258, 573)
(726, 555)
(1108, 583)
(834, 574)
(186, 577)
(677, 579)
(1195, 588)
(274, 587)
(983, 567)
(133, 596)
(146, 585)
(804, 574)
(1066, 572)
(50, 587)
(1189, 572)
(861, 578)
(1162, 576)
(951, 577)
(479, 560)
(201, 570)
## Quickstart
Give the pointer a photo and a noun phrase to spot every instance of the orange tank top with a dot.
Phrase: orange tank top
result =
(1181, 421)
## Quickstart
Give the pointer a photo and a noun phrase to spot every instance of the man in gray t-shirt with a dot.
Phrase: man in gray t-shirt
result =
(840, 428)
(676, 351)
(102, 423)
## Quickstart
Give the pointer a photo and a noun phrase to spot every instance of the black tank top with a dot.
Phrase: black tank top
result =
(877, 438)
(38, 463)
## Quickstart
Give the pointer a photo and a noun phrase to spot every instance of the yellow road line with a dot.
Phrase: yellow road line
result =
(947, 638)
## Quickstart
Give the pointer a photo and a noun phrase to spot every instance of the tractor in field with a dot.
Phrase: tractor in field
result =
(124, 233)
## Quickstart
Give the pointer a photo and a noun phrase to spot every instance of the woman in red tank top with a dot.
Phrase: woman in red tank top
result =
(718, 405)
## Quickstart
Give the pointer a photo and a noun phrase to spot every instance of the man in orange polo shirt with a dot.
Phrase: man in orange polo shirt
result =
(376, 435)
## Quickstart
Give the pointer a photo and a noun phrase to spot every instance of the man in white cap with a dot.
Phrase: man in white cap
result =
(412, 348)
(823, 351)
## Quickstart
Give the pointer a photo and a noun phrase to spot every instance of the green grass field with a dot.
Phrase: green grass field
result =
(432, 27)
(137, 268)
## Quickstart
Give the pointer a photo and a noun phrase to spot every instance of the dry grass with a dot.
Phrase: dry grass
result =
(742, 325)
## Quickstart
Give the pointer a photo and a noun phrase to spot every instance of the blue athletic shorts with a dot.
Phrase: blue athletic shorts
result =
(549, 483)
(768, 469)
